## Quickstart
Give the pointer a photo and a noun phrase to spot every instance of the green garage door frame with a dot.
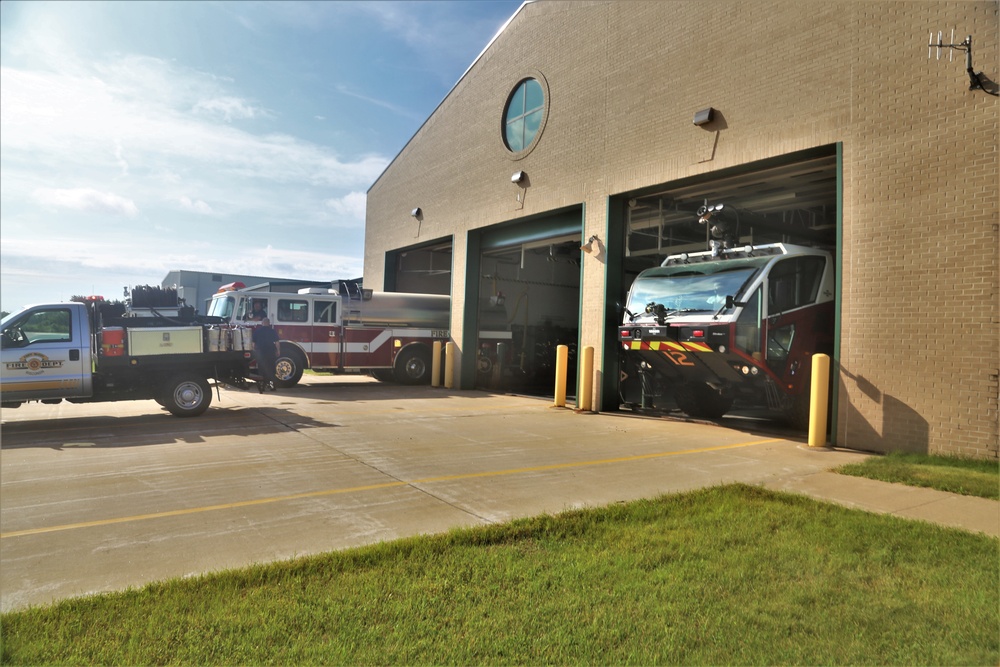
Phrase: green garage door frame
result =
(615, 287)
(564, 221)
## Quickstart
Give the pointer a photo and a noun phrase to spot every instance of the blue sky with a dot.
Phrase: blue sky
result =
(138, 138)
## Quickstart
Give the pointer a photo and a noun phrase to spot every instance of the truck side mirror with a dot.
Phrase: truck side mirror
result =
(732, 302)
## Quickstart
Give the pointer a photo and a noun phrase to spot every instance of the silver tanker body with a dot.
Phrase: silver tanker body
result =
(398, 309)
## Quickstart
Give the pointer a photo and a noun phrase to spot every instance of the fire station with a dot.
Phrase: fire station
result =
(593, 140)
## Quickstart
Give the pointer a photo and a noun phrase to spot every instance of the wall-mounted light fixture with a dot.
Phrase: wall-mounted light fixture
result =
(416, 213)
(520, 179)
(589, 247)
(704, 116)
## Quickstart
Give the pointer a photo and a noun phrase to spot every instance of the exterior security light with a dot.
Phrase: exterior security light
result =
(588, 247)
(518, 177)
(704, 116)
(416, 213)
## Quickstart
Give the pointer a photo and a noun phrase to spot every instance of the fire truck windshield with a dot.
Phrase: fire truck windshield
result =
(687, 289)
(222, 306)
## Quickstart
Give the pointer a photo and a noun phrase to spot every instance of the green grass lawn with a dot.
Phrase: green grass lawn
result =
(728, 575)
(970, 477)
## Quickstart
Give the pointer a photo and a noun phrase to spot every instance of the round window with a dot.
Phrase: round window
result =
(523, 115)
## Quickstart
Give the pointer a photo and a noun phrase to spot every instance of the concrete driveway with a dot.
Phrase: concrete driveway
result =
(108, 496)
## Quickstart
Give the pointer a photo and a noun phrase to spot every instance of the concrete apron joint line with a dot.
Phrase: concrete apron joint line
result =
(372, 487)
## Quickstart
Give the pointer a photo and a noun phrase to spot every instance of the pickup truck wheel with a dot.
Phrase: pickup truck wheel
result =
(288, 368)
(413, 366)
(701, 401)
(186, 396)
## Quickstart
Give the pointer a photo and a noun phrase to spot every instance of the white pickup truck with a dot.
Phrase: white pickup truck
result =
(60, 351)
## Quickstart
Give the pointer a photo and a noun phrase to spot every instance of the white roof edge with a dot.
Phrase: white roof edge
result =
(450, 91)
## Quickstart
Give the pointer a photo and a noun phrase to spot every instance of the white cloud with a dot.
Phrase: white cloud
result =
(396, 109)
(195, 206)
(351, 205)
(86, 200)
(82, 122)
(228, 108)
(122, 162)
(118, 262)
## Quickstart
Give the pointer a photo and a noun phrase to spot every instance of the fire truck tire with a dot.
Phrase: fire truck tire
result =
(413, 366)
(185, 395)
(701, 401)
(384, 375)
(288, 368)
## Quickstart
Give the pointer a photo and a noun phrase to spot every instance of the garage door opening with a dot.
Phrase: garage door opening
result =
(719, 235)
(424, 269)
(527, 294)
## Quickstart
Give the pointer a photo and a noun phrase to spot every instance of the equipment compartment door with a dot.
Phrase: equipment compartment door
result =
(327, 335)
(367, 347)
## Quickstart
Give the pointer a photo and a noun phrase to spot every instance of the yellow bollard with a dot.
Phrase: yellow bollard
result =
(818, 400)
(449, 365)
(585, 387)
(436, 364)
(562, 362)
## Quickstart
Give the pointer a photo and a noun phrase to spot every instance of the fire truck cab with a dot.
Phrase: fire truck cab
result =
(343, 330)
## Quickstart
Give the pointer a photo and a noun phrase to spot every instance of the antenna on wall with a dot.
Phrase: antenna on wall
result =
(975, 80)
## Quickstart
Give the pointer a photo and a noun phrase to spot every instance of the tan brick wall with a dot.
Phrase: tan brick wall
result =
(920, 328)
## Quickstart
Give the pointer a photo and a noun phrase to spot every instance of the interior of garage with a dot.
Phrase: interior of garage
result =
(424, 269)
(527, 287)
(528, 305)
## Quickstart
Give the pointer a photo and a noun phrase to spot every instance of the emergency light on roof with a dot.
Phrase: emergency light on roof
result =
(231, 287)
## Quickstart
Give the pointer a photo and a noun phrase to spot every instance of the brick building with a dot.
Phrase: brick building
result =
(828, 122)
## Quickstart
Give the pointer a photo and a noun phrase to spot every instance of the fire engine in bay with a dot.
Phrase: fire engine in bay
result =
(343, 328)
(707, 330)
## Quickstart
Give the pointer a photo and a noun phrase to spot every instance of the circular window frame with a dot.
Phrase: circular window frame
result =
(523, 153)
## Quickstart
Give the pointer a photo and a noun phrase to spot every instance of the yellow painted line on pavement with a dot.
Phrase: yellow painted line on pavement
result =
(372, 487)
(580, 464)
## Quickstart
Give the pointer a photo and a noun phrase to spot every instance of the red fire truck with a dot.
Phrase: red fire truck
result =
(343, 328)
(707, 330)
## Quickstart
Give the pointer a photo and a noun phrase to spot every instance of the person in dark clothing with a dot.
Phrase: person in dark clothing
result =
(257, 314)
(266, 349)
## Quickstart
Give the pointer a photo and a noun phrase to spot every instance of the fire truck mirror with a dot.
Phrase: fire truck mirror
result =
(732, 303)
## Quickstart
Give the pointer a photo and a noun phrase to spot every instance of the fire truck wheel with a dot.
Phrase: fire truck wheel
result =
(413, 366)
(186, 396)
(701, 401)
(288, 368)
(384, 375)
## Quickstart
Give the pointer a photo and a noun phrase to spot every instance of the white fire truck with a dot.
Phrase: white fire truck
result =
(343, 329)
(710, 329)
